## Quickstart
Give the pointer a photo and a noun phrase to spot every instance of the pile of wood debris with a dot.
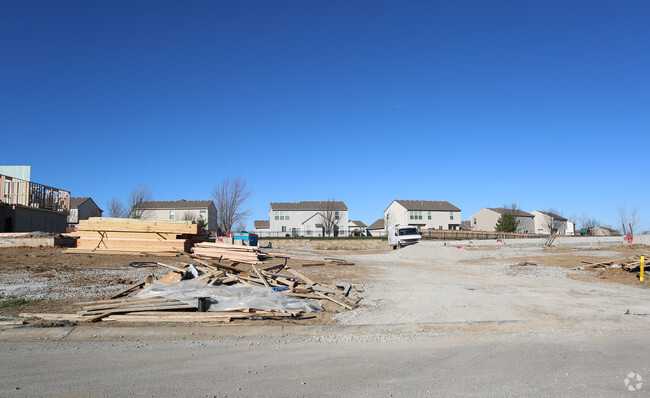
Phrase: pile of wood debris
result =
(630, 263)
(230, 265)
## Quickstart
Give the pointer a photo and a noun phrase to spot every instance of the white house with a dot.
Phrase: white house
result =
(82, 209)
(422, 214)
(307, 218)
(547, 223)
(570, 228)
(377, 228)
(262, 227)
(356, 228)
(486, 219)
(189, 210)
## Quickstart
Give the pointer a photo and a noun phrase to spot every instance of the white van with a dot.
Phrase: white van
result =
(403, 236)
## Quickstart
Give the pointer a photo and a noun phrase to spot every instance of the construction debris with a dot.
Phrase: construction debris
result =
(630, 263)
(234, 284)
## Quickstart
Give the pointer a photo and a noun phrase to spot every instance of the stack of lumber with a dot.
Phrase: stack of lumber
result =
(281, 278)
(630, 263)
(129, 236)
(250, 254)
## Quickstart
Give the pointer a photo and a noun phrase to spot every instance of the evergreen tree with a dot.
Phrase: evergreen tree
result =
(506, 223)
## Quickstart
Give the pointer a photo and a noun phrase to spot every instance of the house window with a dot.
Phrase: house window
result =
(203, 211)
(415, 215)
(171, 214)
(308, 230)
(281, 215)
(336, 215)
(429, 215)
(451, 215)
(474, 220)
(284, 228)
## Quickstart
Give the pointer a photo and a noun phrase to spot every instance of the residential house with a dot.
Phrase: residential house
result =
(570, 228)
(27, 206)
(185, 210)
(603, 231)
(547, 223)
(466, 225)
(82, 209)
(262, 227)
(307, 218)
(422, 214)
(377, 228)
(356, 228)
(486, 219)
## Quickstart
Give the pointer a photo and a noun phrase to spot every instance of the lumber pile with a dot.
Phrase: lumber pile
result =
(252, 254)
(129, 236)
(630, 263)
(124, 307)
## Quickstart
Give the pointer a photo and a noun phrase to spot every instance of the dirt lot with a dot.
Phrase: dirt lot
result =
(427, 283)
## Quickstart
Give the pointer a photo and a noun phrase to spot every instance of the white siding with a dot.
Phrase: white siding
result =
(398, 214)
(302, 222)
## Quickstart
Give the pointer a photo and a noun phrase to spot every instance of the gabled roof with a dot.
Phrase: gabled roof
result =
(76, 202)
(379, 224)
(306, 206)
(516, 213)
(262, 224)
(427, 205)
(466, 225)
(553, 215)
(357, 223)
(178, 204)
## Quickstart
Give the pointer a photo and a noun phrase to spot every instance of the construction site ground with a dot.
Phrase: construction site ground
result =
(436, 319)
(432, 282)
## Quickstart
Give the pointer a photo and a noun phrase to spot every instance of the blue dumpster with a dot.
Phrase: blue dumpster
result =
(249, 239)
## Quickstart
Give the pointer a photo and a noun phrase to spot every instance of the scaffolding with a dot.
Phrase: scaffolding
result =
(14, 191)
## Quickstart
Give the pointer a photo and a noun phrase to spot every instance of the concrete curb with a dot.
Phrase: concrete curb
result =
(83, 333)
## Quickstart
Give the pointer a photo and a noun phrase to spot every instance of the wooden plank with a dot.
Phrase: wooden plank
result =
(266, 283)
(182, 271)
(124, 235)
(202, 261)
(128, 289)
(302, 277)
(161, 319)
(122, 252)
(54, 317)
(131, 225)
(326, 297)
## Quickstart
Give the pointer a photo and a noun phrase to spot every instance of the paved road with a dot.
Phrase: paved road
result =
(497, 365)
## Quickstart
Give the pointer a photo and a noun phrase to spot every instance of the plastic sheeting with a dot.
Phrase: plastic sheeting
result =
(229, 298)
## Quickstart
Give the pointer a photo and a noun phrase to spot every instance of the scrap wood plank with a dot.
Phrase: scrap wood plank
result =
(266, 283)
(128, 289)
(602, 263)
(202, 261)
(161, 319)
(119, 300)
(53, 317)
(99, 316)
(182, 271)
(217, 314)
(302, 277)
(326, 297)
(136, 306)
(73, 250)
(132, 225)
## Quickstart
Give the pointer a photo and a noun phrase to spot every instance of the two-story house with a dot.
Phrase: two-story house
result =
(82, 209)
(311, 218)
(185, 210)
(547, 223)
(423, 214)
(486, 219)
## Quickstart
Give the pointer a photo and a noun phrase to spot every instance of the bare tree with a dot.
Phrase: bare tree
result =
(240, 226)
(628, 220)
(188, 216)
(137, 201)
(330, 215)
(388, 219)
(229, 199)
(589, 222)
(116, 208)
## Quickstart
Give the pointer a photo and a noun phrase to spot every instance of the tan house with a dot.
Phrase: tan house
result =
(423, 214)
(186, 210)
(486, 219)
(377, 228)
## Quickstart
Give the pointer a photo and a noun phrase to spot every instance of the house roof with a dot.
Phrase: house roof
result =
(466, 225)
(553, 215)
(262, 224)
(76, 202)
(316, 205)
(517, 213)
(178, 204)
(379, 224)
(427, 205)
(357, 223)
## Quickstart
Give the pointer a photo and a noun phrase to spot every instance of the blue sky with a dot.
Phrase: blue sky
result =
(477, 103)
